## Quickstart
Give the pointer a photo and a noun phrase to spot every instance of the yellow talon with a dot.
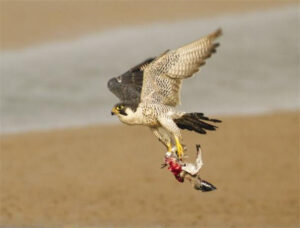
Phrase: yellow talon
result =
(179, 148)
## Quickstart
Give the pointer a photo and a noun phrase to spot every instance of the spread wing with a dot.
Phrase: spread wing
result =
(164, 75)
(127, 87)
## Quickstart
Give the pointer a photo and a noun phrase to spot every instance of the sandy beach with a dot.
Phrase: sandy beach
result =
(101, 176)
(106, 175)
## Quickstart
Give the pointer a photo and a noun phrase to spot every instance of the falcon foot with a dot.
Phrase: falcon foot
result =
(180, 150)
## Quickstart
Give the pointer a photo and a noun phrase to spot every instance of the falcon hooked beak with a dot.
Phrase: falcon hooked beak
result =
(114, 111)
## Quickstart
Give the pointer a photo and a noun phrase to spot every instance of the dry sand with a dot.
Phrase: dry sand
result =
(25, 23)
(111, 176)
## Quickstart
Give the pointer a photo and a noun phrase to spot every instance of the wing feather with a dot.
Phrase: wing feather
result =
(127, 87)
(190, 57)
(163, 77)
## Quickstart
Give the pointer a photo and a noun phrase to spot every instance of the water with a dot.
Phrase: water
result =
(255, 70)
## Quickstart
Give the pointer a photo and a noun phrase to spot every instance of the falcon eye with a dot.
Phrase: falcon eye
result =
(120, 107)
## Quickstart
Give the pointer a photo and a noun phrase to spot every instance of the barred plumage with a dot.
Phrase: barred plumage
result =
(150, 91)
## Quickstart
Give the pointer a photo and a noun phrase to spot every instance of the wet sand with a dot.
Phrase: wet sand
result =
(110, 175)
(26, 23)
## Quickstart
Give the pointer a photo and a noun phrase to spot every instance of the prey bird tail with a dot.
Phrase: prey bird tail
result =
(196, 122)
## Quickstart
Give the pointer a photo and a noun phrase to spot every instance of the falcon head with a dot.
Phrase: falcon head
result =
(120, 109)
(126, 112)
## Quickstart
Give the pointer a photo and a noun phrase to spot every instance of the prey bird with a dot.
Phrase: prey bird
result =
(150, 91)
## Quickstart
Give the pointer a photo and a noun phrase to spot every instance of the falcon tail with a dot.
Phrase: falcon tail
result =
(196, 122)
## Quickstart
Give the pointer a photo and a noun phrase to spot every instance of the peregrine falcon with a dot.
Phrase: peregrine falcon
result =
(150, 91)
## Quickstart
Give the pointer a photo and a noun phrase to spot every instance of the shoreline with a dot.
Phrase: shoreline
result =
(70, 85)
(117, 123)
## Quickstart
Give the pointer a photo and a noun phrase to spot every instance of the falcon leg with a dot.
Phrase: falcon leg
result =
(169, 146)
(163, 137)
(174, 132)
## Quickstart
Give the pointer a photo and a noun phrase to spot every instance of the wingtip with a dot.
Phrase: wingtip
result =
(217, 33)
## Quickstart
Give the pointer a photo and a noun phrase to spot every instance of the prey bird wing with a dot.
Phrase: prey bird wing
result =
(164, 75)
(127, 87)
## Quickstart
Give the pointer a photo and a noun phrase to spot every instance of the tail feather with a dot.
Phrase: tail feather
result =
(195, 122)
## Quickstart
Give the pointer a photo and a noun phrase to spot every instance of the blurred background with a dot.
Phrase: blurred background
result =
(66, 161)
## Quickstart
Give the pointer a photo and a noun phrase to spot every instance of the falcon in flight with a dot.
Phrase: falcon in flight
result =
(150, 91)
